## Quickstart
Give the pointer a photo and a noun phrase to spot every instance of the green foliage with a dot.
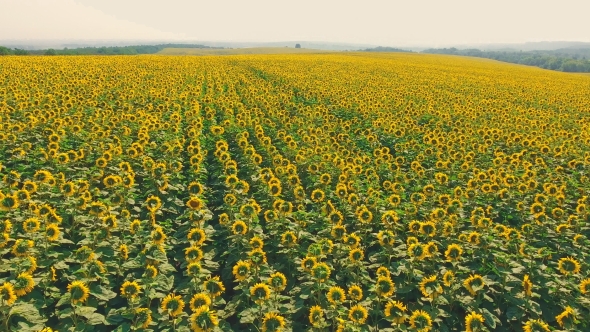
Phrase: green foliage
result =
(567, 60)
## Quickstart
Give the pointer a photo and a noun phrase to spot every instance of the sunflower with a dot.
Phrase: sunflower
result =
(31, 225)
(307, 263)
(8, 202)
(428, 228)
(241, 270)
(355, 292)
(356, 255)
(5, 226)
(214, 286)
(195, 188)
(31, 264)
(417, 251)
(448, 278)
(395, 311)
(249, 210)
(239, 227)
(151, 272)
(384, 287)
(144, 317)
(316, 315)
(198, 300)
(134, 226)
(256, 242)
(257, 257)
(474, 284)
(363, 214)
(260, 293)
(109, 221)
(130, 289)
(352, 240)
(336, 295)
(153, 203)
(78, 291)
(24, 284)
(585, 286)
(317, 195)
(527, 285)
(203, 319)
(158, 236)
(173, 304)
(193, 269)
(272, 322)
(230, 199)
(194, 203)
(566, 318)
(568, 265)
(21, 247)
(197, 235)
(421, 321)
(473, 322)
(7, 294)
(430, 287)
(277, 281)
(386, 238)
(358, 314)
(288, 239)
(535, 325)
(321, 271)
(453, 252)
(193, 254)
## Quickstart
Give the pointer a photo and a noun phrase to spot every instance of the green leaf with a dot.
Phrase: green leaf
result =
(102, 293)
(28, 312)
(490, 319)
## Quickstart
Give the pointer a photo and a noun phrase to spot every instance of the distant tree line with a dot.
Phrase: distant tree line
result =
(566, 59)
(103, 50)
(385, 49)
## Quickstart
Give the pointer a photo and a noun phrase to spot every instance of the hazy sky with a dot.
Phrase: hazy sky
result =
(382, 22)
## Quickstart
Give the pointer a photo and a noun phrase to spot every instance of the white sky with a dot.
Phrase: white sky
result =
(380, 22)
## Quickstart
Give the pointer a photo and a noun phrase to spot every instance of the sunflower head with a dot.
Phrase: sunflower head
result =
(260, 292)
(144, 317)
(130, 289)
(78, 291)
(214, 286)
(474, 322)
(277, 281)
(421, 321)
(568, 265)
(7, 293)
(241, 270)
(321, 271)
(203, 319)
(535, 325)
(199, 300)
(272, 322)
(173, 304)
(23, 284)
(316, 315)
(358, 314)
(474, 284)
(395, 311)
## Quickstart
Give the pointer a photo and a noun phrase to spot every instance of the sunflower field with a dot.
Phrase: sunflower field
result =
(327, 192)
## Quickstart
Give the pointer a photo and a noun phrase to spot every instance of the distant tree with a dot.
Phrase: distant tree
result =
(5, 50)
(18, 51)
(50, 52)
(297, 46)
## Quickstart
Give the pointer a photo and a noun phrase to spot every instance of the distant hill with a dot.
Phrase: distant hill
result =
(103, 50)
(385, 49)
(237, 51)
